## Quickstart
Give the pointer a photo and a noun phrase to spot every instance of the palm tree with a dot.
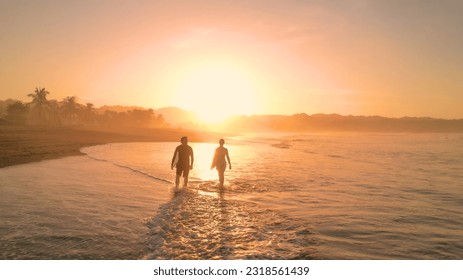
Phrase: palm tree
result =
(89, 113)
(54, 111)
(70, 107)
(17, 111)
(89, 106)
(40, 102)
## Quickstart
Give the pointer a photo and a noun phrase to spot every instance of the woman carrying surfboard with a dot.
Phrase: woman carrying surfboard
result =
(221, 153)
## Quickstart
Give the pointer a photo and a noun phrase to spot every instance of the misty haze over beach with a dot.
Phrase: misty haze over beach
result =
(341, 122)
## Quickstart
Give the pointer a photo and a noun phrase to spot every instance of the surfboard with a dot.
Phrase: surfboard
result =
(214, 161)
(175, 160)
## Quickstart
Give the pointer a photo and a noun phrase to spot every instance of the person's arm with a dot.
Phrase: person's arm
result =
(192, 159)
(228, 158)
(173, 158)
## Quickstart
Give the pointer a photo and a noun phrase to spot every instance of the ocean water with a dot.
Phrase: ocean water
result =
(318, 196)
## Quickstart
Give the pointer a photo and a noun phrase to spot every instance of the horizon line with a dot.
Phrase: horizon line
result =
(261, 114)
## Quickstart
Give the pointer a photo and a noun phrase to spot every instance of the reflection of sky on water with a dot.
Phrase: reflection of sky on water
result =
(314, 196)
(75, 208)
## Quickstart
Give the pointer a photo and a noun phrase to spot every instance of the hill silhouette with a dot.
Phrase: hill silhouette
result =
(334, 122)
(178, 117)
(175, 117)
(117, 108)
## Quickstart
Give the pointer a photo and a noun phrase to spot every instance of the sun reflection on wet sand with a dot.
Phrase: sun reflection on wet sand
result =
(204, 153)
(204, 221)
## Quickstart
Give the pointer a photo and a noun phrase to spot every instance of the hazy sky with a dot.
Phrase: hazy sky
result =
(384, 57)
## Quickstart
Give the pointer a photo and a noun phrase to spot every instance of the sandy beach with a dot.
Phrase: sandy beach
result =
(24, 144)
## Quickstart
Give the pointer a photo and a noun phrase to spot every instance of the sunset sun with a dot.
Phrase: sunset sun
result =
(215, 91)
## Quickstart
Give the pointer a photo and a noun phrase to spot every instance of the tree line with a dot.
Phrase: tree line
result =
(42, 111)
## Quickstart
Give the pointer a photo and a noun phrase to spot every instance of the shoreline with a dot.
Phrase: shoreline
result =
(27, 144)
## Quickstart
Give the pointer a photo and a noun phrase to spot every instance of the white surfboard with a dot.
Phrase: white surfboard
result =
(175, 160)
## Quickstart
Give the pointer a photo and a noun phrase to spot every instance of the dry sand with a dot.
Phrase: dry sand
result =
(23, 144)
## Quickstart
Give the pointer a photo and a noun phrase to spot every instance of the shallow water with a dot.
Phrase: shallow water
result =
(340, 196)
(75, 208)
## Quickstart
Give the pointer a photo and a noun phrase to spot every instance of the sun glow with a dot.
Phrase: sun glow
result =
(215, 90)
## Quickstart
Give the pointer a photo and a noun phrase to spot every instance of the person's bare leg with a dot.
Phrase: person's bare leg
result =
(185, 181)
(177, 181)
(221, 178)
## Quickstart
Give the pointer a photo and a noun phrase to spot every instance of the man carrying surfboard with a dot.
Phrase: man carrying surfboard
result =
(181, 159)
(221, 153)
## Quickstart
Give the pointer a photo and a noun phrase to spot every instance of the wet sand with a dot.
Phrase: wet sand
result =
(24, 144)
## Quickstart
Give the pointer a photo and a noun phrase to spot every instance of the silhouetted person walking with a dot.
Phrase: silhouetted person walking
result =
(181, 160)
(221, 153)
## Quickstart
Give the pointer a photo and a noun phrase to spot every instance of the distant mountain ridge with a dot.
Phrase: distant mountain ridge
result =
(334, 122)
(177, 116)
(117, 108)
(302, 122)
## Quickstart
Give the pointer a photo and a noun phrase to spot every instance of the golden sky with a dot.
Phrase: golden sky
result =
(390, 58)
